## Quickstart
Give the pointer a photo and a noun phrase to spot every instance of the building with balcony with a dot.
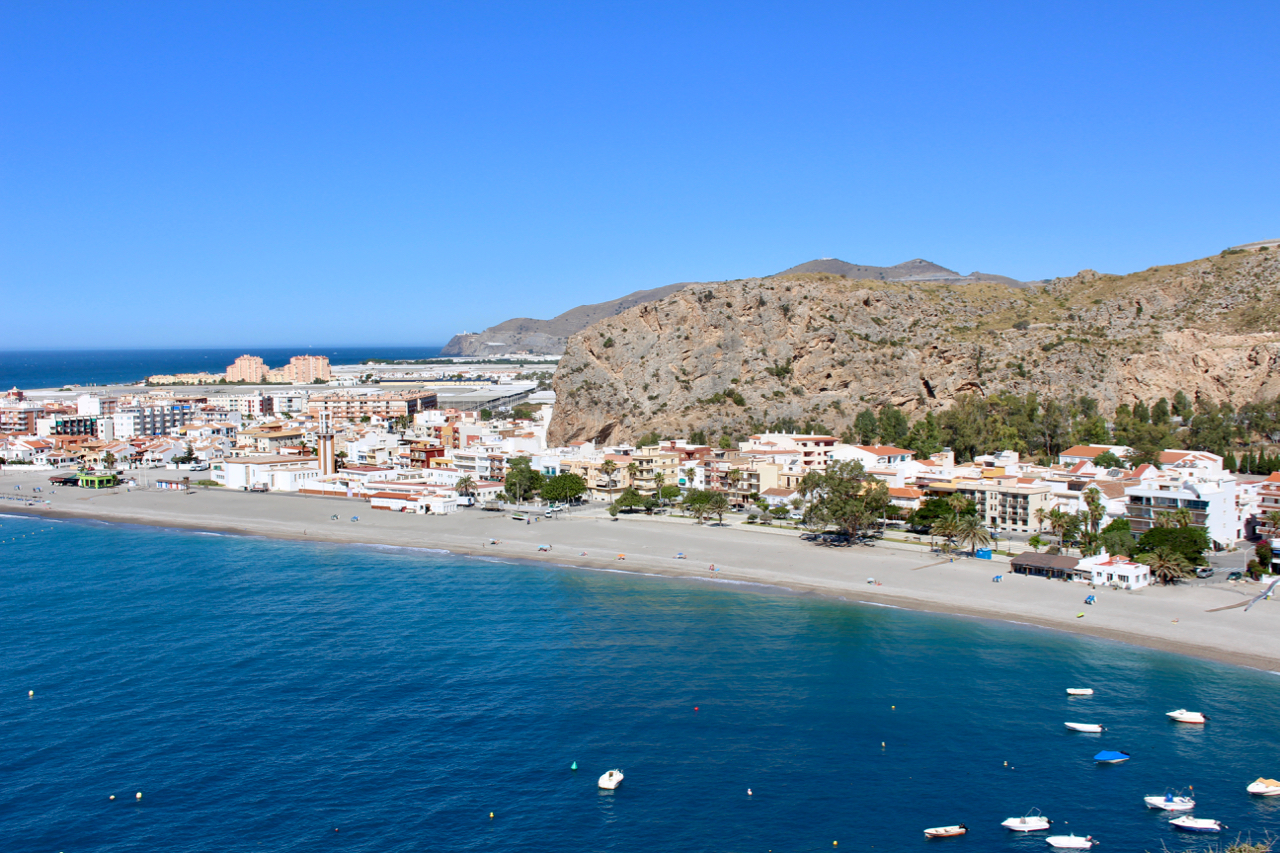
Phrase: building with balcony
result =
(1211, 503)
(247, 368)
(1003, 503)
(387, 405)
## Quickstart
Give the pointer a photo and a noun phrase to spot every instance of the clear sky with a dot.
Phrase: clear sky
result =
(272, 173)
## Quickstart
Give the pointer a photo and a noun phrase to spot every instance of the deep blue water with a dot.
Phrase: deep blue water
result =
(56, 368)
(261, 694)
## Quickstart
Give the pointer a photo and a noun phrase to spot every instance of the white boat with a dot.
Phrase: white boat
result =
(1264, 788)
(1170, 803)
(946, 831)
(1032, 821)
(1071, 842)
(1182, 715)
(611, 779)
(1187, 823)
(1084, 727)
(1079, 691)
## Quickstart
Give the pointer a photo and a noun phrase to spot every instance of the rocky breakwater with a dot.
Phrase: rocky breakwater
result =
(737, 357)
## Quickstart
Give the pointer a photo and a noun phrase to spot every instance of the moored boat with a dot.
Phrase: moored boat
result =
(611, 779)
(1032, 821)
(1182, 715)
(1264, 788)
(1079, 691)
(946, 831)
(1084, 727)
(1187, 823)
(1071, 842)
(1170, 802)
(1110, 756)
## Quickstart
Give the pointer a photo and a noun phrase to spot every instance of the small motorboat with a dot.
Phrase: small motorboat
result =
(1085, 727)
(1079, 691)
(1182, 715)
(611, 779)
(1110, 756)
(946, 831)
(1071, 842)
(1264, 788)
(1032, 821)
(1170, 802)
(1187, 823)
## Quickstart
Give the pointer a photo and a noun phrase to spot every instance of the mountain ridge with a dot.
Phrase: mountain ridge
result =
(733, 357)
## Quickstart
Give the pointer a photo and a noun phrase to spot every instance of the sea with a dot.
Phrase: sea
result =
(28, 369)
(300, 696)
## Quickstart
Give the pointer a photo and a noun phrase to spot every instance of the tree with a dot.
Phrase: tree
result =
(1108, 460)
(930, 512)
(659, 480)
(649, 439)
(564, 487)
(108, 460)
(845, 496)
(669, 493)
(486, 414)
(1181, 406)
(893, 425)
(1167, 565)
(630, 499)
(866, 426)
(1263, 552)
(1040, 515)
(1160, 412)
(698, 437)
(465, 485)
(1190, 542)
(726, 443)
(716, 505)
(1096, 510)
(1035, 542)
(971, 532)
(925, 438)
(695, 503)
(521, 479)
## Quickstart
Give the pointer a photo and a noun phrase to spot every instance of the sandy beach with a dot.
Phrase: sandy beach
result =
(1185, 619)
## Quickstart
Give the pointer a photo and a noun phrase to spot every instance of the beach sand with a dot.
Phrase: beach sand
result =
(1178, 619)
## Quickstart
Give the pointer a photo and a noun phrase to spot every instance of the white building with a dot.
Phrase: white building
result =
(277, 473)
(1211, 501)
(1119, 572)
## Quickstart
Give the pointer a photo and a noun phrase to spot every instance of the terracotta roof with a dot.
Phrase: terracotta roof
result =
(1086, 451)
(905, 493)
(778, 493)
(884, 450)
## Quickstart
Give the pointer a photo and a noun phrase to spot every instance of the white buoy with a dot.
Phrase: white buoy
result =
(138, 795)
(31, 694)
(112, 797)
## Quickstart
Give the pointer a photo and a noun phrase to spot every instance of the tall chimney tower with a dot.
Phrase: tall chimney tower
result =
(324, 445)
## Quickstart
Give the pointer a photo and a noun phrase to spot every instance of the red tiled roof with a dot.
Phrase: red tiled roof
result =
(1085, 450)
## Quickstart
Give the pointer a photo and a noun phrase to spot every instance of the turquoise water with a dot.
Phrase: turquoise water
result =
(261, 694)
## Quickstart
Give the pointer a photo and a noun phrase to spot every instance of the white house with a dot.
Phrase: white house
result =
(277, 473)
(872, 455)
(1105, 570)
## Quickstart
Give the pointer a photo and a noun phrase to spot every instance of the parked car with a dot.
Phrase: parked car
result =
(1204, 572)
(1235, 576)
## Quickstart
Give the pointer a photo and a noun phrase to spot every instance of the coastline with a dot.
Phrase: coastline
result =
(1173, 619)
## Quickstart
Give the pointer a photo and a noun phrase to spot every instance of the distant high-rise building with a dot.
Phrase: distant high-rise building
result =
(247, 368)
(307, 368)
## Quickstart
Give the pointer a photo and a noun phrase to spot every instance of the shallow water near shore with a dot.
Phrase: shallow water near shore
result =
(263, 693)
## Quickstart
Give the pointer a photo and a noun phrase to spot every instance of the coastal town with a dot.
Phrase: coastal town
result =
(474, 435)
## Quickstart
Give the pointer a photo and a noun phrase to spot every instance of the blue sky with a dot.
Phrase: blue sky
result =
(353, 173)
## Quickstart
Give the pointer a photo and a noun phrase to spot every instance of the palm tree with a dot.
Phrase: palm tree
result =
(716, 506)
(946, 529)
(607, 470)
(465, 485)
(958, 503)
(732, 478)
(1040, 515)
(1165, 519)
(1057, 523)
(1093, 499)
(1273, 520)
(658, 482)
(969, 531)
(1182, 517)
(1167, 566)
(632, 470)
(108, 460)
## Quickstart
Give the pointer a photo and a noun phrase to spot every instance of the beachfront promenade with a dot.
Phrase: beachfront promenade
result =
(1174, 618)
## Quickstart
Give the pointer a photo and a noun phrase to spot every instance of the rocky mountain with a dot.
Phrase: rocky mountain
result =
(547, 336)
(550, 336)
(732, 356)
(915, 270)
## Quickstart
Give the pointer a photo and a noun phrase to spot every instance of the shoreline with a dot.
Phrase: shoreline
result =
(1171, 619)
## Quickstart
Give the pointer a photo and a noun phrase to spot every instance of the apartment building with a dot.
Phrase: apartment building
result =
(387, 405)
(1210, 500)
(1003, 503)
(815, 451)
(247, 368)
(653, 464)
(1268, 502)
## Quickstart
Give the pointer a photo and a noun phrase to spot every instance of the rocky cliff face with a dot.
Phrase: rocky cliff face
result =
(733, 356)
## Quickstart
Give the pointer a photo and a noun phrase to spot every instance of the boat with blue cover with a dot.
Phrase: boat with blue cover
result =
(1110, 756)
